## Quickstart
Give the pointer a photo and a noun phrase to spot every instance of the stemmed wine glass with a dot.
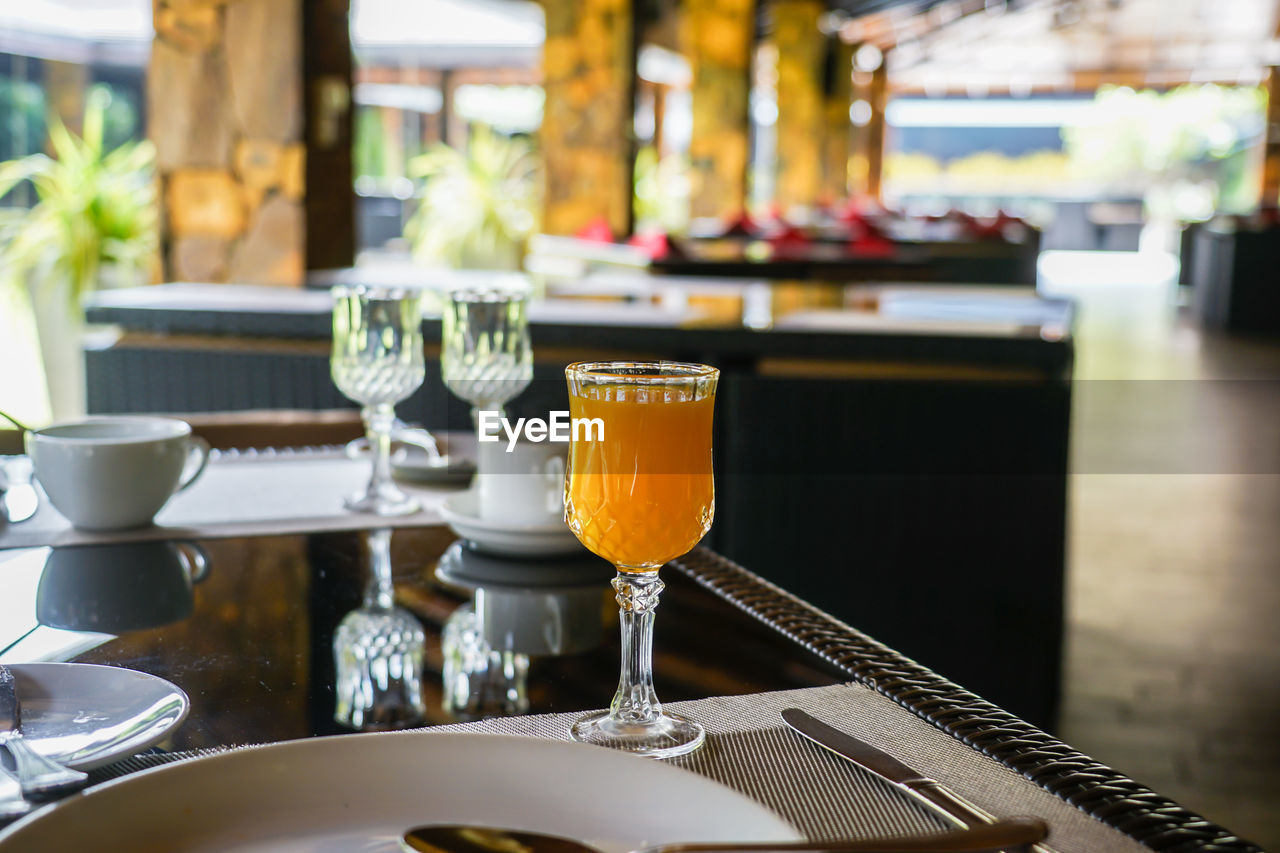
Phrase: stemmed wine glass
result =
(486, 357)
(378, 361)
(378, 653)
(640, 496)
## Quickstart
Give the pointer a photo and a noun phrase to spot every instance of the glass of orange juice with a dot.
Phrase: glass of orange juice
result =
(640, 492)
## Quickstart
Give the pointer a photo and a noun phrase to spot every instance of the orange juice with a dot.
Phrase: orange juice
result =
(644, 494)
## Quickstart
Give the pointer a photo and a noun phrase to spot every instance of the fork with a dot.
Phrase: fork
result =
(39, 777)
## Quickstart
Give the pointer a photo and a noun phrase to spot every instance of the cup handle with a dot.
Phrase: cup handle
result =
(554, 472)
(200, 446)
(196, 559)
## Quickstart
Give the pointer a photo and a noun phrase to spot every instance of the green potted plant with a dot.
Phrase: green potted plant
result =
(479, 206)
(95, 218)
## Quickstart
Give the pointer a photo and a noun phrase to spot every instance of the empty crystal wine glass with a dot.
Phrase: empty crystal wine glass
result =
(486, 356)
(378, 361)
(378, 653)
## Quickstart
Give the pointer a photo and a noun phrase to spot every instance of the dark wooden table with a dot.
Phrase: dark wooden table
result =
(256, 651)
(253, 647)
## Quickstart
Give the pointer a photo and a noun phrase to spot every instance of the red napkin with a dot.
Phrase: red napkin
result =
(871, 244)
(742, 226)
(865, 236)
(789, 241)
(978, 229)
(853, 218)
(596, 231)
(656, 244)
(992, 230)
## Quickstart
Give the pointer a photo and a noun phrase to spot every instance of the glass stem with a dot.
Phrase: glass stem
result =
(636, 702)
(486, 407)
(380, 593)
(378, 419)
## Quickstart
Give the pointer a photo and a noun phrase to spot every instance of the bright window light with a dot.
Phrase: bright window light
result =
(1108, 268)
(1022, 112)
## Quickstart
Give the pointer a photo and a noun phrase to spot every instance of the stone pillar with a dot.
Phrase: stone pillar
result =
(872, 88)
(226, 114)
(588, 68)
(837, 136)
(800, 58)
(329, 120)
(718, 36)
(1271, 156)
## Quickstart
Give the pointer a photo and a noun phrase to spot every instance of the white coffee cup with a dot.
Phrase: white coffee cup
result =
(112, 473)
(523, 486)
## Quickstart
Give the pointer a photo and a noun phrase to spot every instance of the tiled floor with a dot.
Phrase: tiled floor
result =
(1173, 644)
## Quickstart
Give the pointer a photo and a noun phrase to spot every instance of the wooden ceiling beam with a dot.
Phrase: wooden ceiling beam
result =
(886, 30)
(1089, 80)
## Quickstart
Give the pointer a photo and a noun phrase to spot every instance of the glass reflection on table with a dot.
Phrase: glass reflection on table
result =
(378, 653)
(251, 636)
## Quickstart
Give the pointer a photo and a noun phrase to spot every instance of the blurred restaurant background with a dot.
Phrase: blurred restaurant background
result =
(994, 284)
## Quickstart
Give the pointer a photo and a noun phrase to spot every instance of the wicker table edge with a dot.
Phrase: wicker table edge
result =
(1100, 791)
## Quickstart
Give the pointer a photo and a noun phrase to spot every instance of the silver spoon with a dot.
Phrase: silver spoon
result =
(437, 467)
(1002, 835)
(12, 804)
(18, 497)
(404, 434)
(441, 469)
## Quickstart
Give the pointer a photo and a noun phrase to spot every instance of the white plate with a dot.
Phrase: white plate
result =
(361, 792)
(85, 715)
(509, 540)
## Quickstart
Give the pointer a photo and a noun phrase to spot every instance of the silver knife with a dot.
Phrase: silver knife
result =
(12, 805)
(929, 792)
(39, 777)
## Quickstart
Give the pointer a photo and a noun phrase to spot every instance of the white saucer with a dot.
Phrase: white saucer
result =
(461, 513)
(468, 568)
(86, 716)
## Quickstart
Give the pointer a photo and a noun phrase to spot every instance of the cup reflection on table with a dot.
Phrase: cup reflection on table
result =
(521, 609)
(118, 588)
(480, 680)
(639, 497)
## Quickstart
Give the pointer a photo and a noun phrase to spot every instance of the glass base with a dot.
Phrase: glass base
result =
(666, 736)
(387, 500)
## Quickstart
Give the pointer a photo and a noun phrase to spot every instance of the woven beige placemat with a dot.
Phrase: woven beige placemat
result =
(749, 749)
